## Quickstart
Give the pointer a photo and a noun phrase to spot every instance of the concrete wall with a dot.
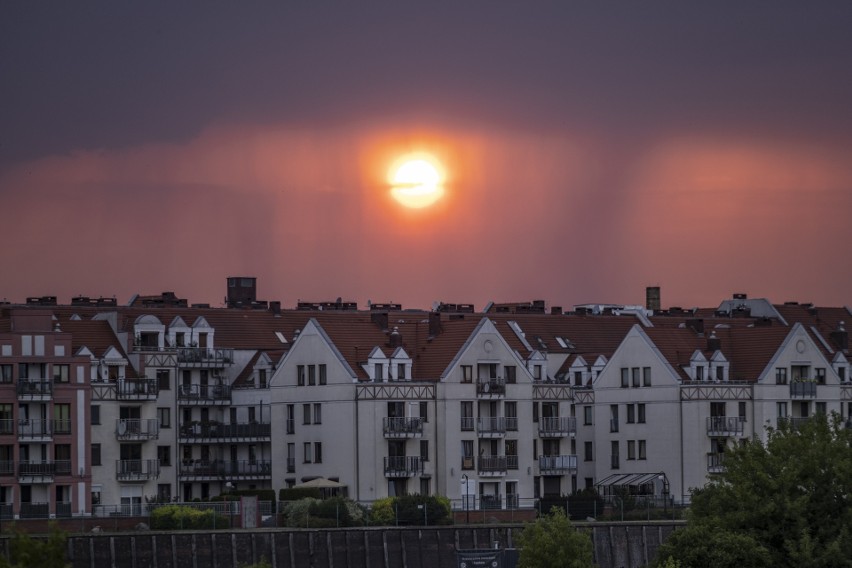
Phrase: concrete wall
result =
(616, 545)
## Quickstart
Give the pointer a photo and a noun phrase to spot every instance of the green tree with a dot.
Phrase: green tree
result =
(703, 544)
(28, 552)
(552, 542)
(791, 495)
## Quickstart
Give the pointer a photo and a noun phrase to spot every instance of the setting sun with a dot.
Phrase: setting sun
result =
(416, 181)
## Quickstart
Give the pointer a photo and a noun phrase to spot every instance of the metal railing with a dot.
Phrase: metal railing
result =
(491, 425)
(557, 426)
(400, 427)
(7, 426)
(215, 430)
(34, 388)
(7, 467)
(34, 428)
(724, 426)
(44, 469)
(467, 423)
(34, 510)
(557, 465)
(715, 462)
(403, 466)
(491, 387)
(204, 394)
(137, 428)
(205, 356)
(793, 421)
(136, 470)
(492, 464)
(803, 389)
(136, 389)
(226, 469)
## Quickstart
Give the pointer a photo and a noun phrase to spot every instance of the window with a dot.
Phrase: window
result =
(378, 372)
(699, 373)
(291, 418)
(6, 373)
(261, 378)
(511, 454)
(720, 372)
(467, 373)
(614, 454)
(641, 412)
(164, 417)
(307, 451)
(400, 371)
(317, 413)
(317, 452)
(60, 373)
(164, 454)
(312, 375)
(62, 418)
(631, 413)
(781, 376)
(96, 454)
(164, 379)
(424, 411)
(535, 411)
(820, 375)
(742, 411)
(306, 414)
(631, 450)
(511, 416)
(646, 376)
(323, 374)
(535, 450)
(537, 372)
(6, 421)
(799, 372)
(578, 378)
(467, 454)
(424, 486)
(466, 415)
(587, 416)
(511, 374)
(820, 408)
(23, 371)
(635, 371)
(588, 454)
(613, 418)
(300, 375)
(164, 492)
(625, 377)
(424, 450)
(718, 409)
(781, 408)
(96, 414)
(642, 450)
(841, 372)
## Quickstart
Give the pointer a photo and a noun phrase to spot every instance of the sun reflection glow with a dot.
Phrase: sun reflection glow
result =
(416, 181)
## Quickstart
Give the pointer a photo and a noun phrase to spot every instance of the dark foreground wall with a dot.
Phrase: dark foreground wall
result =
(616, 545)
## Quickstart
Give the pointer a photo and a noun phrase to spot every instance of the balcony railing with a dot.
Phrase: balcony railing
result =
(247, 431)
(204, 356)
(487, 502)
(137, 470)
(63, 510)
(467, 423)
(491, 426)
(395, 427)
(43, 470)
(7, 426)
(511, 462)
(35, 510)
(136, 389)
(724, 426)
(492, 464)
(403, 466)
(491, 387)
(230, 470)
(35, 389)
(6, 511)
(511, 424)
(803, 389)
(793, 421)
(204, 394)
(557, 465)
(137, 429)
(557, 426)
(61, 427)
(513, 501)
(35, 429)
(715, 462)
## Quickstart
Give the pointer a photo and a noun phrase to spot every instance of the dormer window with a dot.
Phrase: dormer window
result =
(537, 372)
(400, 372)
(699, 373)
(720, 373)
(180, 339)
(378, 374)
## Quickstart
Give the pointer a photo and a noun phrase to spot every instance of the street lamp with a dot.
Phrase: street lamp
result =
(464, 499)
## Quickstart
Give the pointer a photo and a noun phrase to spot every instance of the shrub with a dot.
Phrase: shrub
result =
(177, 517)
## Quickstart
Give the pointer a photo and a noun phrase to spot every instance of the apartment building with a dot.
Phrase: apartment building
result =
(104, 405)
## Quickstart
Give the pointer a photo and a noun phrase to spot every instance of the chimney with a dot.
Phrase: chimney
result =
(652, 298)
(434, 324)
(740, 296)
(275, 307)
(395, 338)
(696, 324)
(380, 319)
(840, 337)
(556, 310)
(713, 342)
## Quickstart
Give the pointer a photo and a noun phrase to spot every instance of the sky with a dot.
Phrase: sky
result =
(589, 149)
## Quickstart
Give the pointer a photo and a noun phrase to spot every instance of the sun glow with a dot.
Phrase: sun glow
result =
(416, 181)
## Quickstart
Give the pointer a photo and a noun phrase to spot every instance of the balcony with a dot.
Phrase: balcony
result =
(490, 388)
(402, 427)
(723, 426)
(7, 427)
(403, 466)
(200, 470)
(557, 426)
(513, 501)
(557, 465)
(137, 470)
(492, 465)
(137, 429)
(204, 394)
(6, 512)
(491, 427)
(793, 421)
(214, 432)
(36, 471)
(136, 389)
(34, 389)
(715, 462)
(36, 430)
(35, 510)
(63, 510)
(803, 389)
(204, 357)
(490, 502)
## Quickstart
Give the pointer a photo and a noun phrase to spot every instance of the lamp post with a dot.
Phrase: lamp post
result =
(464, 499)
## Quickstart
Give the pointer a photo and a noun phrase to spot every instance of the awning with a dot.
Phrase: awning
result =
(617, 479)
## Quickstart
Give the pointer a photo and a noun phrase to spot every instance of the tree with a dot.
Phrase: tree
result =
(703, 544)
(28, 552)
(791, 495)
(552, 542)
